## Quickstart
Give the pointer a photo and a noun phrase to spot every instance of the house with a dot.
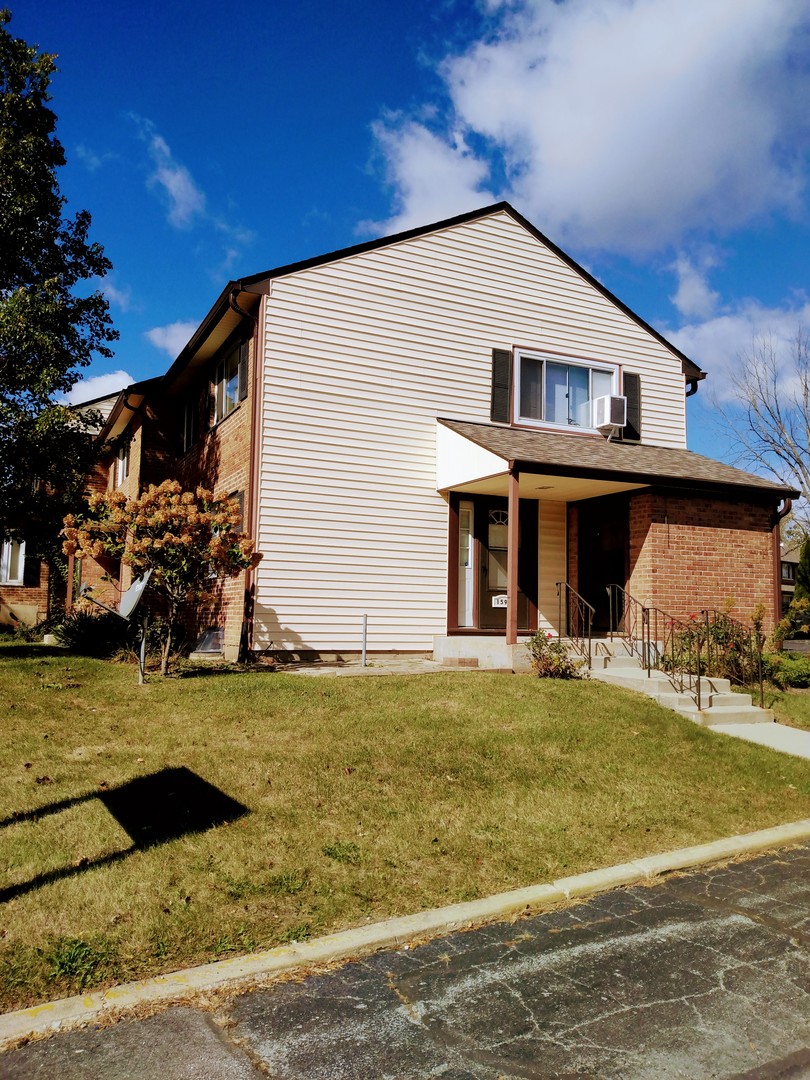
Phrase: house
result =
(429, 432)
(788, 561)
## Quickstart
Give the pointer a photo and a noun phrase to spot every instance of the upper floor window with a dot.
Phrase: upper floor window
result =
(190, 410)
(12, 562)
(559, 390)
(788, 571)
(121, 465)
(230, 381)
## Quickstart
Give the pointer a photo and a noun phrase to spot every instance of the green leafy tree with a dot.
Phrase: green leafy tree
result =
(189, 541)
(802, 589)
(52, 322)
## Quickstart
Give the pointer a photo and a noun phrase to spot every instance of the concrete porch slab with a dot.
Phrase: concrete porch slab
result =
(481, 651)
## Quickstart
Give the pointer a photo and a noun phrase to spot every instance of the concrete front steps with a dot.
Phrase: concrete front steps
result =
(718, 704)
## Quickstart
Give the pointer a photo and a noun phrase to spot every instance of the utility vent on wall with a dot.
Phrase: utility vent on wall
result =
(609, 412)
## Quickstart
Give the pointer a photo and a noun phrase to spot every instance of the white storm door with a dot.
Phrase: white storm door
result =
(466, 569)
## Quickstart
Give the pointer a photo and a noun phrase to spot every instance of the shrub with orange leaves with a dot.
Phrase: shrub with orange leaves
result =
(189, 540)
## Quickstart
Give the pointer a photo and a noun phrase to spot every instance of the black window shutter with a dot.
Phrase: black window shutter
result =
(31, 571)
(631, 384)
(501, 385)
(243, 371)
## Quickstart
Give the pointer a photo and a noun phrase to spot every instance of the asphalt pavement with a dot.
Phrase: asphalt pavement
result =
(700, 975)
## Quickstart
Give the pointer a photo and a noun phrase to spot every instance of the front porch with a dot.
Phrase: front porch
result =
(529, 510)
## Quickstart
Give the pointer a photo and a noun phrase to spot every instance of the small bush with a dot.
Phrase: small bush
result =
(550, 658)
(90, 634)
(787, 670)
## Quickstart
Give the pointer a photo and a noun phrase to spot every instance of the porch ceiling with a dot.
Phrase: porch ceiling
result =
(547, 488)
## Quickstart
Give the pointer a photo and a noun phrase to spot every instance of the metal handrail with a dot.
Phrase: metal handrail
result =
(626, 621)
(678, 650)
(658, 640)
(578, 619)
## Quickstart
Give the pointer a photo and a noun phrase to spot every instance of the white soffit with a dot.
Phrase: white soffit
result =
(459, 461)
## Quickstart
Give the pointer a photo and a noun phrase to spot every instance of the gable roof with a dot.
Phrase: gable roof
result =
(566, 454)
(690, 368)
(259, 283)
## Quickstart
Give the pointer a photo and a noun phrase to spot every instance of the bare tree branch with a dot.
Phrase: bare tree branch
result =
(767, 415)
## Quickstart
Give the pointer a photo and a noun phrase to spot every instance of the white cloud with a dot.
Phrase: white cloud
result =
(619, 124)
(91, 160)
(433, 178)
(171, 338)
(121, 298)
(184, 199)
(694, 298)
(717, 344)
(98, 386)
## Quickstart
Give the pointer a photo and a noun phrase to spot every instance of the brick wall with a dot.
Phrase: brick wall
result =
(27, 603)
(689, 552)
(219, 460)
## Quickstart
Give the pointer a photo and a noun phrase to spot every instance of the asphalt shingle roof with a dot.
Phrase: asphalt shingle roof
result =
(569, 454)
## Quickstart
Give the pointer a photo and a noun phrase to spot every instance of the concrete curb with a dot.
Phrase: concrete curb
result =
(242, 971)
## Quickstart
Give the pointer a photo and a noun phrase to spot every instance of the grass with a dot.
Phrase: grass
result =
(791, 707)
(365, 798)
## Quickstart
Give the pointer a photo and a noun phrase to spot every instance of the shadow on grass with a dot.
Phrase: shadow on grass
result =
(34, 652)
(151, 809)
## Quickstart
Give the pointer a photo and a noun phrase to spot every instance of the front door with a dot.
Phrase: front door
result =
(603, 542)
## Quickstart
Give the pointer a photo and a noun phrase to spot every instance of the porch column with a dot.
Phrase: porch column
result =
(71, 570)
(512, 556)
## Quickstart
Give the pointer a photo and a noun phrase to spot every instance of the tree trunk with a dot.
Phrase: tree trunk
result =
(167, 644)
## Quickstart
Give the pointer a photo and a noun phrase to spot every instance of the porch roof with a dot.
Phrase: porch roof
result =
(594, 457)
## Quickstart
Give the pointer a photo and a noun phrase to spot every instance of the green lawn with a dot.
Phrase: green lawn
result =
(790, 707)
(363, 798)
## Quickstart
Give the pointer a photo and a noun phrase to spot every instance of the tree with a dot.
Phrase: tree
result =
(802, 586)
(187, 539)
(769, 414)
(51, 324)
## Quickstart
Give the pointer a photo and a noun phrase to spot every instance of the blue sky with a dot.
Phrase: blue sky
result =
(664, 145)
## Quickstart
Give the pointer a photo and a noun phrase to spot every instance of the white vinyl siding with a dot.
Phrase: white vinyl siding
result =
(361, 355)
(553, 549)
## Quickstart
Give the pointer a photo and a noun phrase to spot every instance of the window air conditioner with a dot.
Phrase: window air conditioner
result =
(609, 412)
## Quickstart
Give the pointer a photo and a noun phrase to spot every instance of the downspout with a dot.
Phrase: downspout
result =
(693, 385)
(237, 290)
(252, 494)
(787, 506)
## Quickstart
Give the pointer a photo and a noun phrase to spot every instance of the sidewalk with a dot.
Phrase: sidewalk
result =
(778, 736)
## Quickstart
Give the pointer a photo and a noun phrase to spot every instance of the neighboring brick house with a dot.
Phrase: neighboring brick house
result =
(426, 431)
(788, 561)
(26, 589)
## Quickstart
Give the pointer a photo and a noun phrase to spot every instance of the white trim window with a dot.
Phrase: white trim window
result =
(121, 465)
(230, 382)
(559, 390)
(12, 562)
